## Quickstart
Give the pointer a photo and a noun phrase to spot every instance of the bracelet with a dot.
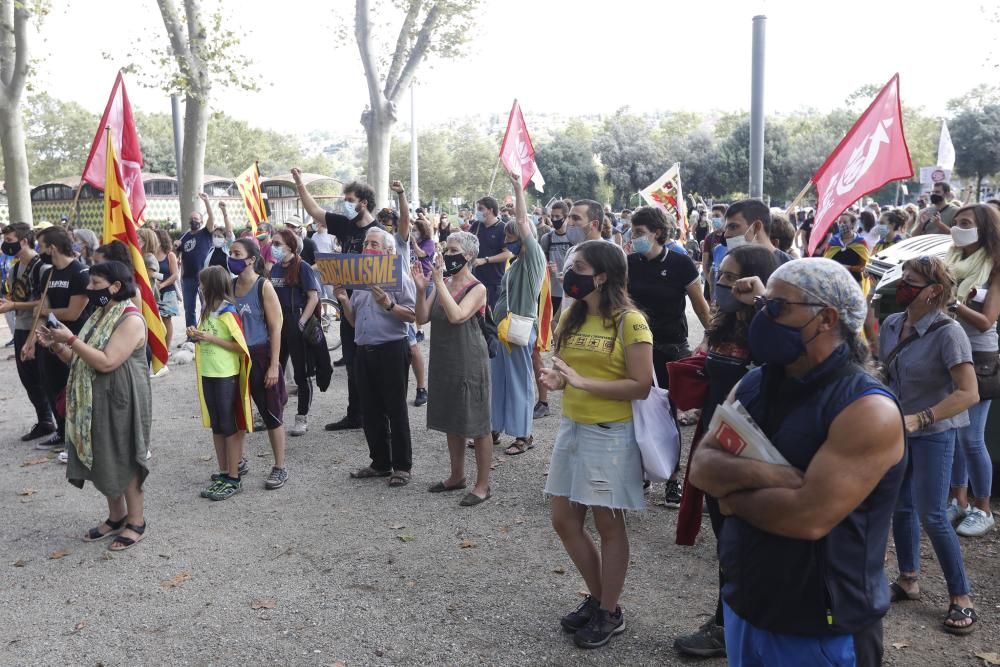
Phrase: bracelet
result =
(69, 343)
(930, 416)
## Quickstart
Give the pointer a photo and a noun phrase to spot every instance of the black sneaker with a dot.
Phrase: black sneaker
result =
(37, 431)
(673, 495)
(421, 398)
(345, 424)
(603, 625)
(709, 641)
(53, 443)
(575, 620)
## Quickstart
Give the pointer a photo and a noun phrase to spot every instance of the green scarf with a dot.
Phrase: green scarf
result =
(970, 272)
(80, 386)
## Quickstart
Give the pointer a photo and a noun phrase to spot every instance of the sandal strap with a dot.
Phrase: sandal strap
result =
(115, 525)
(136, 529)
(122, 540)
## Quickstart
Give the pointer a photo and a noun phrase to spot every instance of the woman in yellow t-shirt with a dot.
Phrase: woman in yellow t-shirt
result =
(604, 360)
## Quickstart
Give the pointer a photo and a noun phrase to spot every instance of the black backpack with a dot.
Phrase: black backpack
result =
(486, 324)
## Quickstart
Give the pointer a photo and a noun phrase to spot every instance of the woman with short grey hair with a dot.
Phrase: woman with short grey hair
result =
(459, 375)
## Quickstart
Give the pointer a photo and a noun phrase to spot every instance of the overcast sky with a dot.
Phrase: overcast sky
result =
(555, 55)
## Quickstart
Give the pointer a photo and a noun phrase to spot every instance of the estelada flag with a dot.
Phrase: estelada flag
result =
(118, 116)
(248, 183)
(517, 153)
(119, 225)
(665, 193)
(873, 153)
(228, 317)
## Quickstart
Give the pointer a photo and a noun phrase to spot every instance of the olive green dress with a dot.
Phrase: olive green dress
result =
(123, 416)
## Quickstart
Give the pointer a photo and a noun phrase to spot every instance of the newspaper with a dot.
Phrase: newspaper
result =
(739, 435)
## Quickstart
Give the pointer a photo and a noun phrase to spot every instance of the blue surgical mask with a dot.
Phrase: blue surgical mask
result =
(642, 244)
(716, 223)
(514, 247)
(479, 217)
(350, 209)
(279, 253)
(882, 231)
(725, 300)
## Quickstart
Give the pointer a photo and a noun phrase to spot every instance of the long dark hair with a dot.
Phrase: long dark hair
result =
(116, 272)
(291, 242)
(253, 255)
(988, 224)
(606, 258)
(754, 260)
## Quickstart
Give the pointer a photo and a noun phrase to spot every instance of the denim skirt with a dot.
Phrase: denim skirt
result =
(598, 465)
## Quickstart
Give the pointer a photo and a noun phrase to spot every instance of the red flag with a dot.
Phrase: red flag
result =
(516, 151)
(118, 116)
(873, 153)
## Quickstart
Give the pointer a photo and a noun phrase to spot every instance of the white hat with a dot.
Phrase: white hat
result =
(293, 221)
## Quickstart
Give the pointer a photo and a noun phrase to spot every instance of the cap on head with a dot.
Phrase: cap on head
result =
(293, 221)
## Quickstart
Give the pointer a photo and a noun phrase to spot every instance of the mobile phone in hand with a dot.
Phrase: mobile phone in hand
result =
(52, 322)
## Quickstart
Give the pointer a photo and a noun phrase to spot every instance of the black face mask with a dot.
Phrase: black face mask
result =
(195, 225)
(99, 297)
(576, 285)
(454, 263)
(11, 248)
(557, 223)
(45, 257)
(936, 199)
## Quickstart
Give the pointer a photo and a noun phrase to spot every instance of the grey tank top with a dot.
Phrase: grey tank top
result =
(251, 310)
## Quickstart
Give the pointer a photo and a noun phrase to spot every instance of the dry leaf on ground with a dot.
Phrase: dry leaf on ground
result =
(27, 492)
(265, 603)
(177, 580)
(34, 462)
(900, 645)
(397, 526)
(989, 658)
(79, 626)
(405, 538)
(468, 544)
(56, 555)
(559, 570)
(20, 562)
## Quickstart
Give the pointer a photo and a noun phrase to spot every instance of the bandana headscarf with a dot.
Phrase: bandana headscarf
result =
(827, 282)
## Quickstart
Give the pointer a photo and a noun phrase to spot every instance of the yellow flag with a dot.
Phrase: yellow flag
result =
(248, 184)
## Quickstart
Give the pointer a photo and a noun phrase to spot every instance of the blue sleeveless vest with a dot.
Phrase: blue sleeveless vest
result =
(831, 586)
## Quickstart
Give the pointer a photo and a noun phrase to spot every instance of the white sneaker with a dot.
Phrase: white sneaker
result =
(301, 425)
(976, 523)
(160, 373)
(955, 513)
(63, 457)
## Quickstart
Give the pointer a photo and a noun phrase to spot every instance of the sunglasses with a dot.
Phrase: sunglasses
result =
(774, 307)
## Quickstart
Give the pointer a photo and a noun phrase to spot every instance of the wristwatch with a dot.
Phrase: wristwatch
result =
(953, 307)
(392, 304)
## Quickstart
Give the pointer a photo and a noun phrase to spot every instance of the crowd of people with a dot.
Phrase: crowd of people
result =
(792, 339)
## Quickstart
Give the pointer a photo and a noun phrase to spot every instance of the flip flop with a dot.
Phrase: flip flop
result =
(441, 487)
(471, 499)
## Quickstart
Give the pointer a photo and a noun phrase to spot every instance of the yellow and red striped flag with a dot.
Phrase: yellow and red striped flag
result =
(119, 225)
(544, 341)
(248, 184)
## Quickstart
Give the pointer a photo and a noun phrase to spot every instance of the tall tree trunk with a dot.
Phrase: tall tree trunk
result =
(15, 163)
(378, 131)
(193, 169)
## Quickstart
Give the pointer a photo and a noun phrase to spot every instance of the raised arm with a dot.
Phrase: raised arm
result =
(308, 203)
(404, 209)
(520, 208)
(225, 220)
(209, 216)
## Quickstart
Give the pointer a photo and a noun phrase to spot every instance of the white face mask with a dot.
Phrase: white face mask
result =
(218, 241)
(736, 241)
(963, 237)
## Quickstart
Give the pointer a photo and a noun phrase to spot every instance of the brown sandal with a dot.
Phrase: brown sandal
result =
(520, 446)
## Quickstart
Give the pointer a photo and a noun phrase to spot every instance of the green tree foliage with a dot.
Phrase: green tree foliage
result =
(976, 135)
(58, 134)
(567, 163)
(733, 167)
(628, 149)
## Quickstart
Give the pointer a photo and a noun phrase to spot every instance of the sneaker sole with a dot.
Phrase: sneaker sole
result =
(226, 497)
(617, 631)
(272, 486)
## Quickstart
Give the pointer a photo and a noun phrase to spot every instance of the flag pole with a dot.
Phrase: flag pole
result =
(493, 180)
(799, 197)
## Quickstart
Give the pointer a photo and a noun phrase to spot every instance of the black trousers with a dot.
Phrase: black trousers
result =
(349, 350)
(55, 373)
(293, 346)
(383, 372)
(31, 379)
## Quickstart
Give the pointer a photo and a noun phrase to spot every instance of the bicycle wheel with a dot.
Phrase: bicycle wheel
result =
(330, 321)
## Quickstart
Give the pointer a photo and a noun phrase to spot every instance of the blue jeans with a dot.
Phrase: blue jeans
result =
(189, 287)
(972, 461)
(924, 494)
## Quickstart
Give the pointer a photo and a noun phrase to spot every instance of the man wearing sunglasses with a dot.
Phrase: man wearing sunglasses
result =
(803, 545)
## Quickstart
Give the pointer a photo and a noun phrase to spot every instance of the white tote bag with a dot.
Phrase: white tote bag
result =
(519, 329)
(656, 431)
